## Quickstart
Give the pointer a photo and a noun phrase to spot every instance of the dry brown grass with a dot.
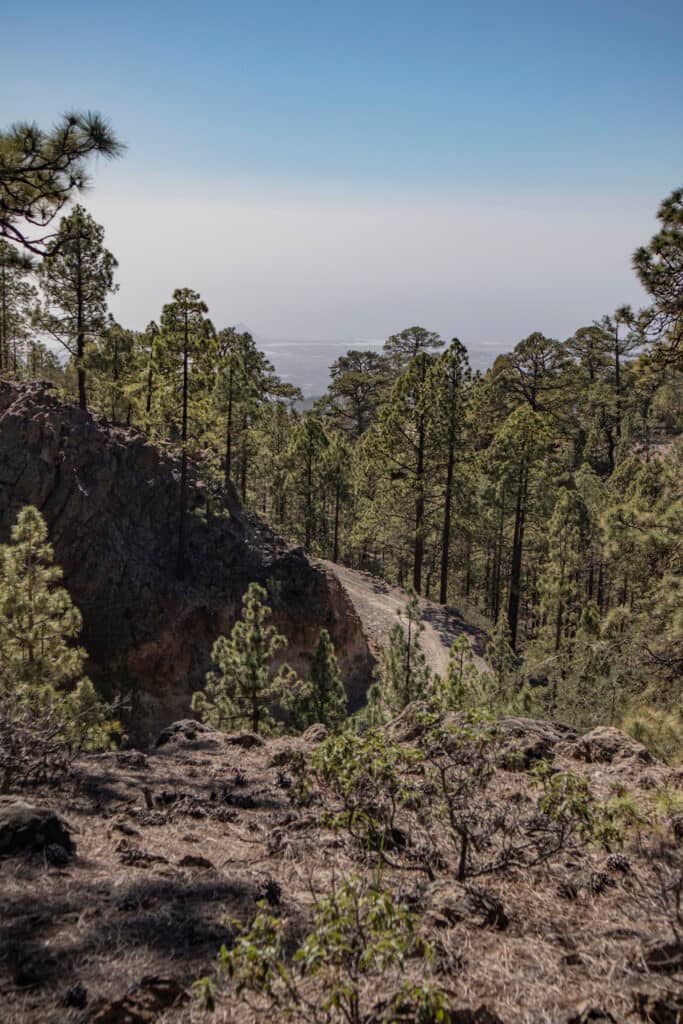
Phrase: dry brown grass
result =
(112, 917)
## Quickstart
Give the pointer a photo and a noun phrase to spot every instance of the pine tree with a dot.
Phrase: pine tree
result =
(400, 349)
(357, 382)
(448, 382)
(322, 698)
(242, 691)
(404, 675)
(464, 686)
(559, 583)
(306, 462)
(18, 298)
(76, 276)
(48, 708)
(184, 352)
(403, 445)
(245, 382)
(41, 170)
(501, 658)
(659, 266)
(115, 366)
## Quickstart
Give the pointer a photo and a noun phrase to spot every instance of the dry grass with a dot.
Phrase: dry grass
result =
(115, 915)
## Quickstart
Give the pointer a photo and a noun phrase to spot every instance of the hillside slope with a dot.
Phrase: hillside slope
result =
(173, 845)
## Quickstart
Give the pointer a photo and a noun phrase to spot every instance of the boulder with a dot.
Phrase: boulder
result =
(660, 1008)
(607, 745)
(315, 733)
(185, 731)
(28, 828)
(527, 740)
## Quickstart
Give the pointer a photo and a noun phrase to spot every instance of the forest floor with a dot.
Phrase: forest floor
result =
(380, 606)
(175, 844)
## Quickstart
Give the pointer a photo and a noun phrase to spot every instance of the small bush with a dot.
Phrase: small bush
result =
(359, 931)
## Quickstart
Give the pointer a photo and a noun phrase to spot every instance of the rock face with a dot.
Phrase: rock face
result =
(26, 828)
(111, 501)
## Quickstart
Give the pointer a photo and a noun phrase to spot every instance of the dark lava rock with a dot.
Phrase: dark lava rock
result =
(143, 1002)
(111, 502)
(663, 957)
(663, 1008)
(586, 1013)
(607, 745)
(27, 828)
(246, 740)
(191, 860)
(132, 759)
(187, 730)
(527, 741)
(57, 856)
(76, 996)
(618, 862)
(315, 733)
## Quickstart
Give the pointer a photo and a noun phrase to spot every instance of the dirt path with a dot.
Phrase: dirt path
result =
(378, 604)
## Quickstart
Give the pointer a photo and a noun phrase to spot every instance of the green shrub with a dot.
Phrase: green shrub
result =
(359, 931)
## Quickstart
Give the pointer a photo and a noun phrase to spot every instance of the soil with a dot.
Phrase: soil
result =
(175, 844)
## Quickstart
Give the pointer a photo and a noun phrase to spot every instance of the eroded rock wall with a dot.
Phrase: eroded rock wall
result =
(110, 500)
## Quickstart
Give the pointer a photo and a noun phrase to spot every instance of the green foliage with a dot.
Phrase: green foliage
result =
(464, 686)
(366, 779)
(321, 697)
(659, 729)
(243, 691)
(431, 806)
(501, 658)
(76, 277)
(567, 802)
(49, 711)
(40, 170)
(358, 932)
(404, 675)
(543, 495)
(18, 298)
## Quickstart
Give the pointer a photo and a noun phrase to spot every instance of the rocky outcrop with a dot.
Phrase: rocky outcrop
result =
(110, 499)
(26, 828)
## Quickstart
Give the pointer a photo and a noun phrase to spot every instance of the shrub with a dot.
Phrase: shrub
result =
(358, 931)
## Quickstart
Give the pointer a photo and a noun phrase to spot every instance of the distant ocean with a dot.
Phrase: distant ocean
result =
(307, 363)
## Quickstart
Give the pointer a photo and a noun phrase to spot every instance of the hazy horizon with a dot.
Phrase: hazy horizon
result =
(324, 174)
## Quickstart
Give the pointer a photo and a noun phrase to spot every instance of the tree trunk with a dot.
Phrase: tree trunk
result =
(228, 435)
(418, 546)
(150, 384)
(617, 379)
(335, 542)
(468, 575)
(180, 567)
(309, 499)
(80, 332)
(498, 565)
(446, 531)
(516, 565)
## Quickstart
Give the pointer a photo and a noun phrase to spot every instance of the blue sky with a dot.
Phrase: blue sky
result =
(272, 147)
